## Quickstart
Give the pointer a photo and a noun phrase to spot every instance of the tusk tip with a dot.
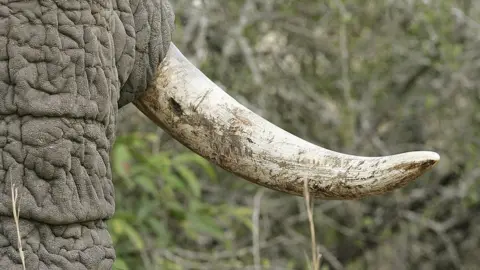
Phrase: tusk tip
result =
(395, 171)
(423, 159)
(414, 164)
(428, 155)
(409, 166)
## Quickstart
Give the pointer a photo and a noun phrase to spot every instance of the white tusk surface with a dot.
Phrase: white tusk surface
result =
(200, 115)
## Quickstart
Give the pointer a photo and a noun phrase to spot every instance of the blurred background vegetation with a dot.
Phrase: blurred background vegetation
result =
(364, 77)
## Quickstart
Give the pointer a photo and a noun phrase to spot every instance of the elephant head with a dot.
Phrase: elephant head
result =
(67, 66)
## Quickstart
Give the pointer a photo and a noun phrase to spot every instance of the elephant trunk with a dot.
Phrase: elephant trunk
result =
(200, 115)
(59, 87)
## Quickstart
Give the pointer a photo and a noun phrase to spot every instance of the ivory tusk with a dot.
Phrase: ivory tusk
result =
(199, 114)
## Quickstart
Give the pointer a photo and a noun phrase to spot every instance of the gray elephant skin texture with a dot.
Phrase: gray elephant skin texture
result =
(66, 67)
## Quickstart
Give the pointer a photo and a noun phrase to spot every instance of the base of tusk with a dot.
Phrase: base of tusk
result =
(200, 115)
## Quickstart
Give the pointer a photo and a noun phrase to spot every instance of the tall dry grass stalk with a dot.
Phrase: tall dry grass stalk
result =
(16, 215)
(316, 256)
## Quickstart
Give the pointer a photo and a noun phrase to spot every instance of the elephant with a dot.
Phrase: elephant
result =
(68, 66)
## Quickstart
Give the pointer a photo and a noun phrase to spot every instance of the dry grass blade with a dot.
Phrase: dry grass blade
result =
(16, 214)
(316, 256)
(256, 229)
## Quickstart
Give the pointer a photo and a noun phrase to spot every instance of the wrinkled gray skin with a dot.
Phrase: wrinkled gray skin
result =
(66, 66)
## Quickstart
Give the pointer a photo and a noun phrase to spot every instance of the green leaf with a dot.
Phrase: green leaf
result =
(147, 209)
(187, 158)
(161, 232)
(119, 264)
(176, 208)
(367, 221)
(147, 184)
(116, 225)
(199, 224)
(174, 182)
(125, 215)
(243, 214)
(121, 158)
(190, 178)
(161, 162)
(151, 137)
(120, 227)
(134, 237)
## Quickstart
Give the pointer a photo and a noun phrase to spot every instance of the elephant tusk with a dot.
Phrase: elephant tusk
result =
(199, 114)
